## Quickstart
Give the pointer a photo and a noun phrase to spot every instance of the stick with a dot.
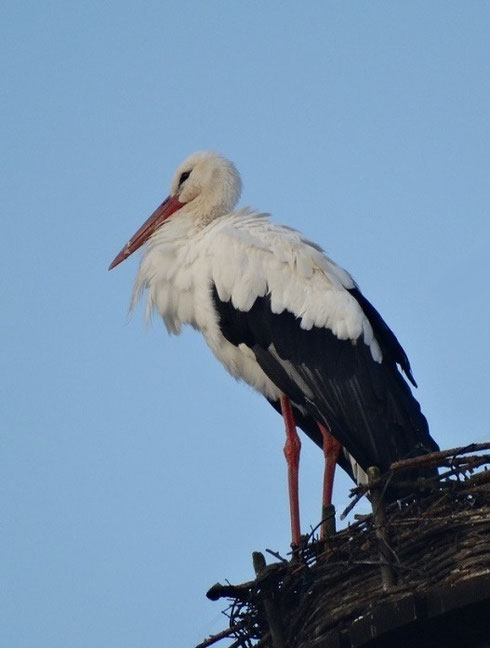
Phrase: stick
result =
(349, 508)
(433, 457)
(387, 573)
(277, 555)
(221, 635)
(327, 525)
(269, 606)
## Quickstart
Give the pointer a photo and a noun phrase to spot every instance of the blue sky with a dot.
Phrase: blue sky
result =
(134, 472)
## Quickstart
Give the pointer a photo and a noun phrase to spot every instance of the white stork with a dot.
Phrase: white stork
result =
(282, 316)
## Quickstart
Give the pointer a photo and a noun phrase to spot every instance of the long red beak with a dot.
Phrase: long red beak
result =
(159, 216)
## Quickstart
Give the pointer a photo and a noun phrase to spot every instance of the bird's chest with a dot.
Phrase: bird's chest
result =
(178, 287)
(178, 281)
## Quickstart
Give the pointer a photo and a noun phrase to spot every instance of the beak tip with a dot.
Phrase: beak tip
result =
(120, 257)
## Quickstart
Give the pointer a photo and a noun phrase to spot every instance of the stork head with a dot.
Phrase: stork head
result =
(208, 183)
(204, 186)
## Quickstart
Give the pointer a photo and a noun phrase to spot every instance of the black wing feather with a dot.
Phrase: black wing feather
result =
(390, 347)
(367, 405)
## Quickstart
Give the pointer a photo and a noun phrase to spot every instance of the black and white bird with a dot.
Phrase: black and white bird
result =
(279, 314)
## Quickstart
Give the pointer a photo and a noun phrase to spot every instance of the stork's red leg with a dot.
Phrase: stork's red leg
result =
(291, 451)
(331, 451)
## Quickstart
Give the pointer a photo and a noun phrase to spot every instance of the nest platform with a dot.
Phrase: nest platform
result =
(414, 573)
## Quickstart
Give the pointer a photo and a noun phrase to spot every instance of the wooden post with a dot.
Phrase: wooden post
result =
(388, 576)
(271, 613)
(328, 521)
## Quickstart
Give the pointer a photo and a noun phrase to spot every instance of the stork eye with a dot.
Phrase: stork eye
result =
(184, 177)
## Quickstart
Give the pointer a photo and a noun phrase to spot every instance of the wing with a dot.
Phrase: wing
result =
(321, 342)
(390, 347)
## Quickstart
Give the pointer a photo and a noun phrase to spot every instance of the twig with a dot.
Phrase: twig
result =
(311, 534)
(434, 457)
(221, 635)
(277, 555)
(349, 508)
(237, 643)
(480, 478)
(471, 465)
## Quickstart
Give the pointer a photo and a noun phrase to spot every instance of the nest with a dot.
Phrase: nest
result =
(420, 564)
